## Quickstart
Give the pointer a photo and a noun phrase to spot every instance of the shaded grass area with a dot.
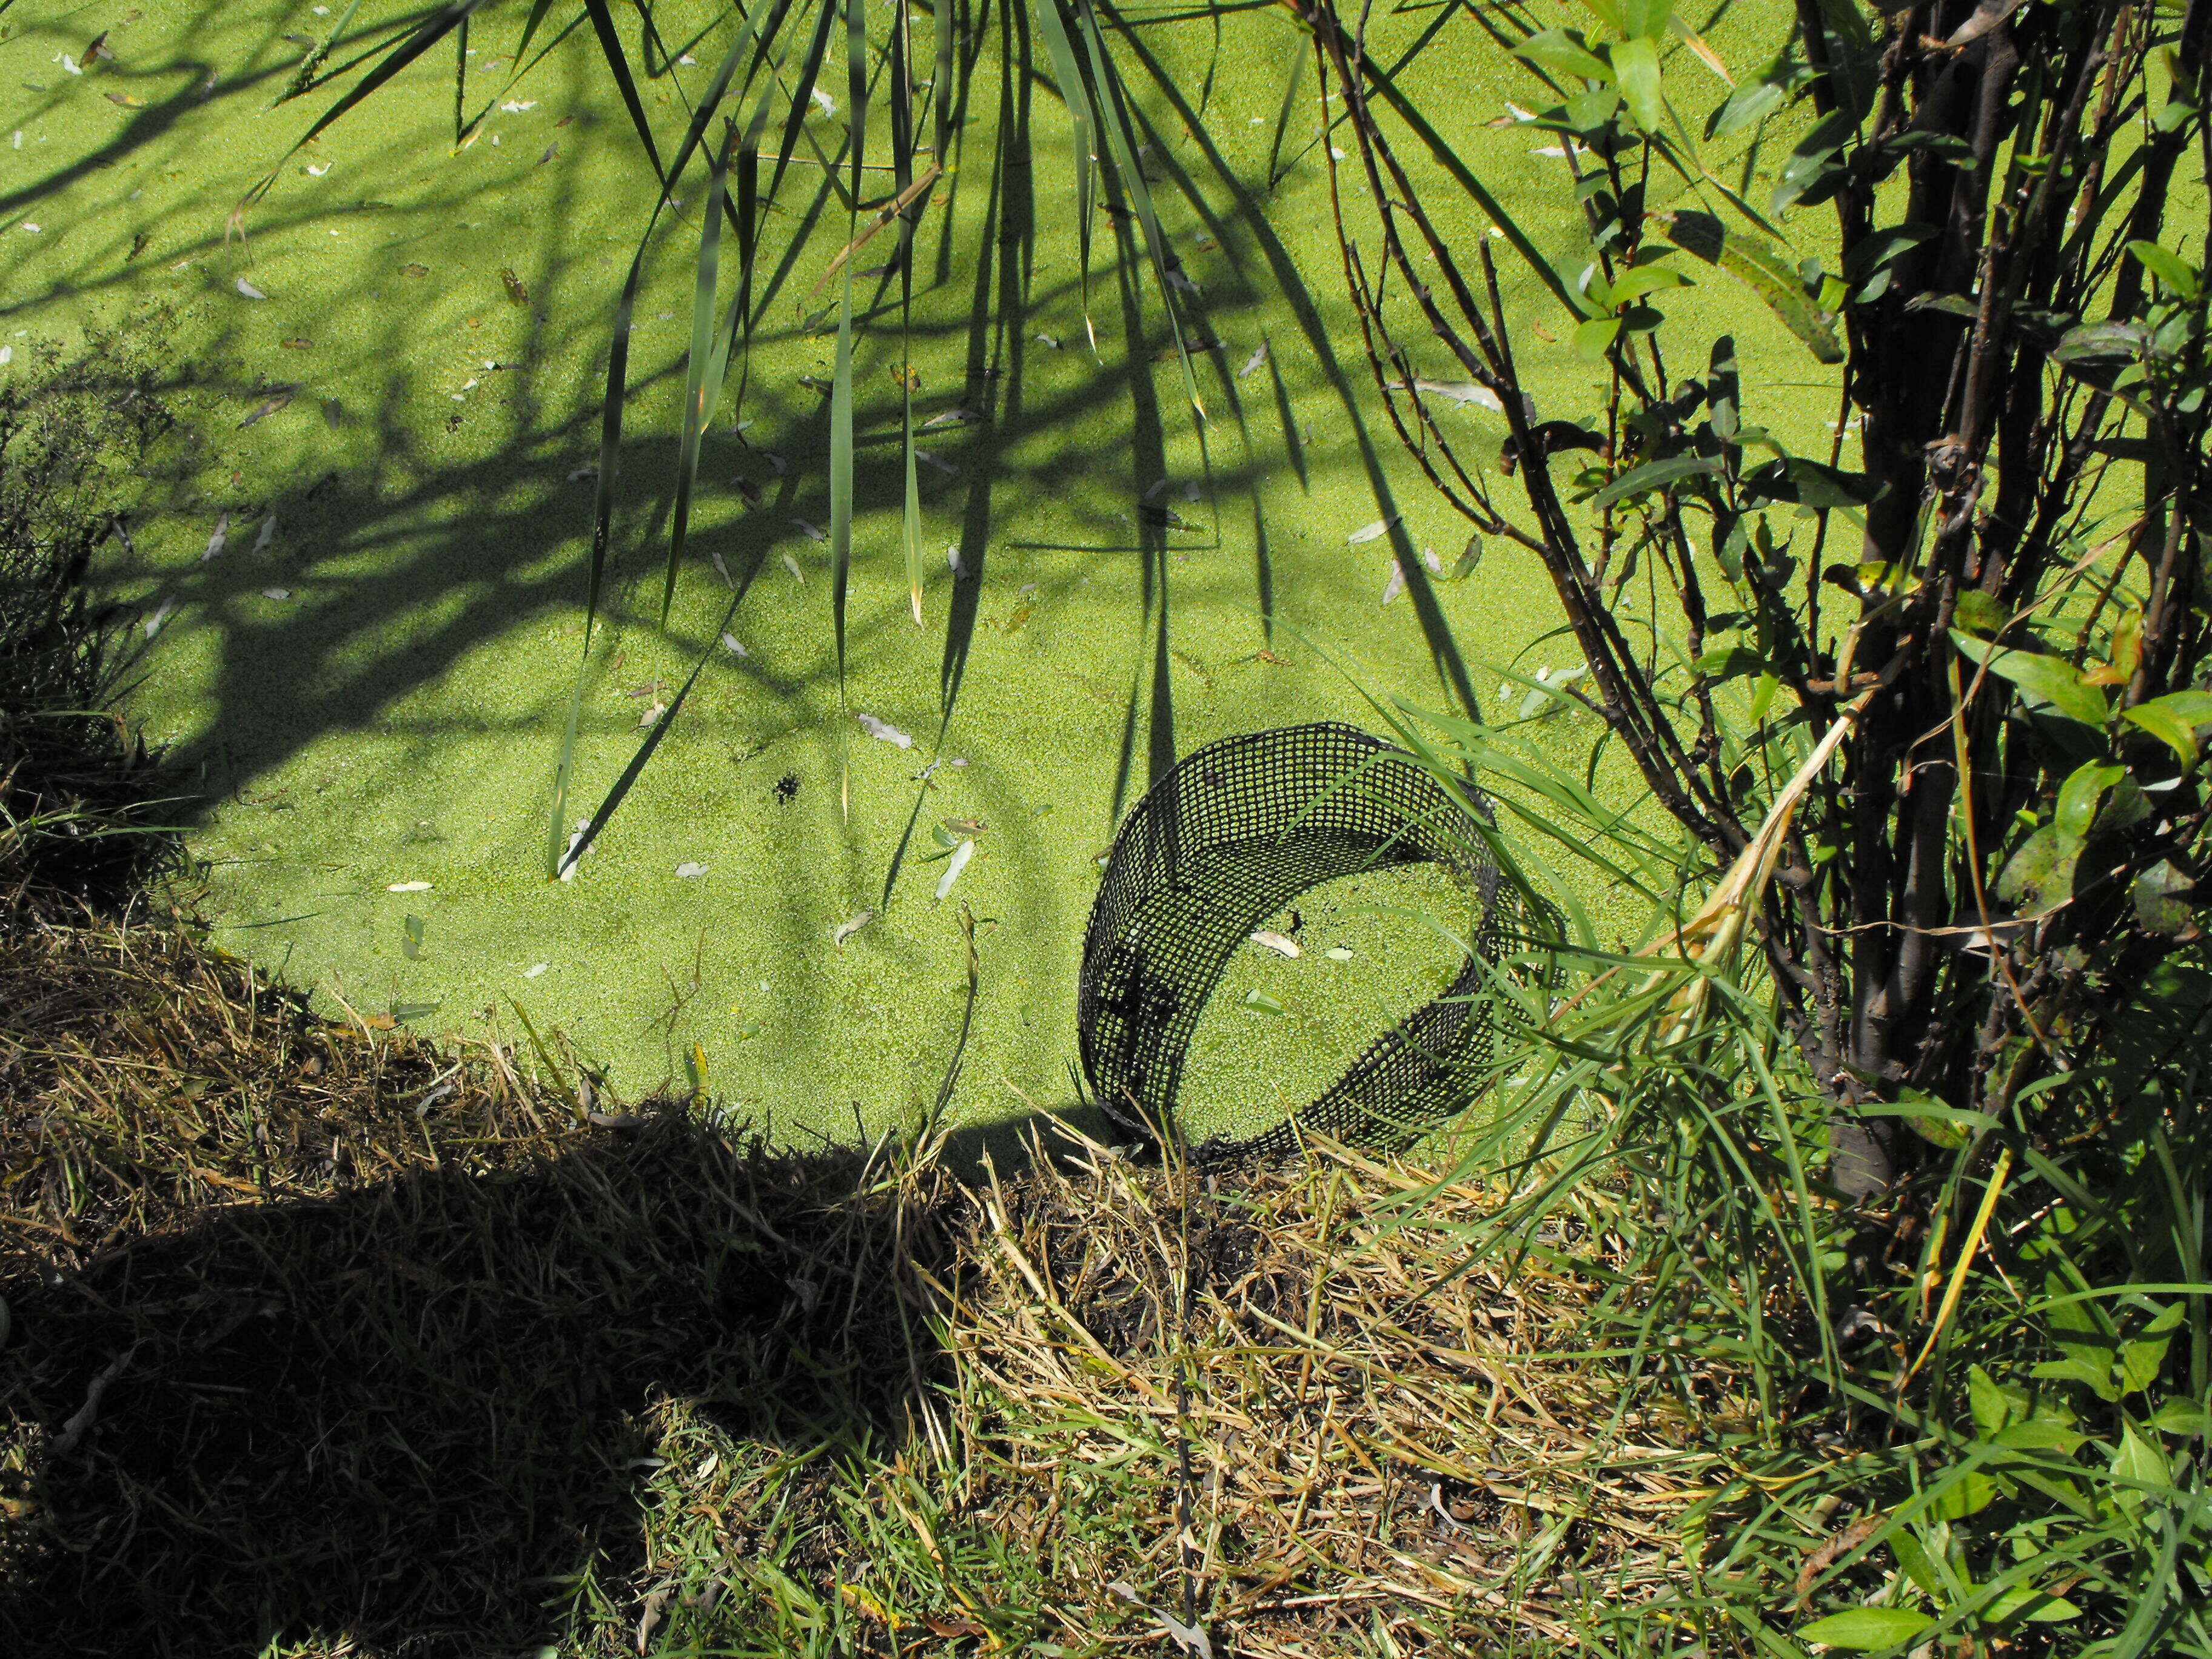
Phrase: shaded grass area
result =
(326, 1340)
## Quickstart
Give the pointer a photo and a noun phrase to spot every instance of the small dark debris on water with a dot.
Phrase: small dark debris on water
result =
(786, 788)
(278, 397)
(515, 291)
(414, 270)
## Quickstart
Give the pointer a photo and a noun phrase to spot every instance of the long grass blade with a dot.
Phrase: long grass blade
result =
(311, 65)
(561, 769)
(460, 77)
(947, 17)
(611, 414)
(1122, 145)
(610, 48)
(631, 773)
(1076, 94)
(432, 30)
(1283, 116)
(903, 159)
(841, 389)
(701, 365)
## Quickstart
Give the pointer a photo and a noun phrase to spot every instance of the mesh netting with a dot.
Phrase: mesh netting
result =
(1229, 838)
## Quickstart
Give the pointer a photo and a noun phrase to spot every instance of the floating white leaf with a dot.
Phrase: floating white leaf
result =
(888, 733)
(276, 592)
(215, 541)
(730, 644)
(268, 532)
(1253, 362)
(1368, 533)
(535, 969)
(813, 532)
(689, 871)
(249, 290)
(954, 866)
(160, 614)
(1279, 942)
(408, 887)
(1337, 953)
(851, 926)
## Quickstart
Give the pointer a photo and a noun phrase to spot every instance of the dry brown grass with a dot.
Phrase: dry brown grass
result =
(329, 1338)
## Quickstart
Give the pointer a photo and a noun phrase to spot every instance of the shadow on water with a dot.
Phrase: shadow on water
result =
(422, 1413)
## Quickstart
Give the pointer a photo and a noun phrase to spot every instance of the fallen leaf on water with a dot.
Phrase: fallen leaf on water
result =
(301, 343)
(552, 150)
(723, 571)
(966, 826)
(268, 531)
(1543, 333)
(127, 100)
(851, 926)
(812, 531)
(791, 565)
(409, 887)
(951, 417)
(160, 615)
(691, 872)
(414, 270)
(650, 715)
(946, 467)
(1252, 363)
(584, 472)
(958, 862)
(1274, 941)
(277, 398)
(535, 969)
(1368, 533)
(249, 290)
(730, 644)
(515, 291)
(515, 107)
(1337, 953)
(317, 172)
(888, 733)
(215, 541)
(276, 592)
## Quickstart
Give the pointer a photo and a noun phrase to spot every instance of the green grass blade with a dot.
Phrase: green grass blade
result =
(947, 18)
(432, 30)
(699, 395)
(808, 69)
(903, 161)
(1120, 143)
(561, 771)
(856, 87)
(1283, 116)
(841, 500)
(635, 770)
(460, 77)
(1076, 95)
(304, 77)
(610, 48)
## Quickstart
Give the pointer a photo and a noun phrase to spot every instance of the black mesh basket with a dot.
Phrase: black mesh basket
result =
(1235, 831)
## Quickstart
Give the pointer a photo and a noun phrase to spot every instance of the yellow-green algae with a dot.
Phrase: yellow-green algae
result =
(392, 718)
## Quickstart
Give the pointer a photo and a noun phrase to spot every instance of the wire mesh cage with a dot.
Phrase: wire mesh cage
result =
(1235, 831)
